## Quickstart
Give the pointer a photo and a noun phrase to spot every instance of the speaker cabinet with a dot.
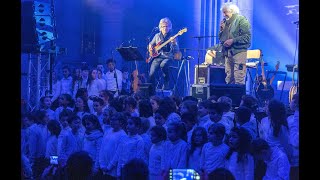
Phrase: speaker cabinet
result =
(146, 90)
(233, 91)
(209, 74)
(200, 91)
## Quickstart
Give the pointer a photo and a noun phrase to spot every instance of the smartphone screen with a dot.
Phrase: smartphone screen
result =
(54, 160)
(185, 174)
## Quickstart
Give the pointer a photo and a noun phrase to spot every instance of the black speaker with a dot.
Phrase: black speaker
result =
(146, 89)
(29, 39)
(209, 74)
(233, 91)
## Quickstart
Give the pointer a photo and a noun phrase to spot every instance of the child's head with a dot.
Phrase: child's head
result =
(107, 113)
(239, 139)
(216, 133)
(155, 102)
(199, 137)
(260, 149)
(226, 102)
(118, 121)
(249, 101)
(66, 100)
(176, 130)
(158, 133)
(130, 104)
(242, 115)
(189, 119)
(45, 102)
(159, 116)
(41, 117)
(221, 173)
(145, 125)
(54, 127)
(98, 104)
(63, 117)
(66, 71)
(203, 107)
(189, 106)
(215, 111)
(133, 126)
(145, 108)
(91, 123)
(74, 122)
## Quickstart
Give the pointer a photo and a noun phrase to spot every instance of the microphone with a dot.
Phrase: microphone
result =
(224, 20)
(155, 28)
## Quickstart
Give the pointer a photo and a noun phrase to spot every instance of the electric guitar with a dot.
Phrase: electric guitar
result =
(264, 90)
(154, 52)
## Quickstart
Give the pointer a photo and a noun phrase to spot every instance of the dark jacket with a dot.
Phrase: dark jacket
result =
(238, 29)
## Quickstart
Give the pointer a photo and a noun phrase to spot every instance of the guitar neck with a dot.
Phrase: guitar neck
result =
(165, 43)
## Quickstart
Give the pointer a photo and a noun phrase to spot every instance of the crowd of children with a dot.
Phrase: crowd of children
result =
(163, 132)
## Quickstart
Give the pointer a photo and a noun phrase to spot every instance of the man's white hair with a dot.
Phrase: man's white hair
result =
(165, 20)
(230, 7)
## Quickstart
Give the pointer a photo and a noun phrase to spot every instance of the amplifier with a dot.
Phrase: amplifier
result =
(209, 74)
(233, 91)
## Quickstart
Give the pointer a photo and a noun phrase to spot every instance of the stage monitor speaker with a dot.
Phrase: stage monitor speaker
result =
(233, 91)
(146, 89)
(209, 74)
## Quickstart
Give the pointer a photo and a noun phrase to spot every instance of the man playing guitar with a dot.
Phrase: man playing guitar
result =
(162, 58)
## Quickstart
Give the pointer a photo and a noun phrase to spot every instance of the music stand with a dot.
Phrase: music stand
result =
(130, 53)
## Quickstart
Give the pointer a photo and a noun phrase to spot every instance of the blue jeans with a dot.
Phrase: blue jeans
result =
(164, 65)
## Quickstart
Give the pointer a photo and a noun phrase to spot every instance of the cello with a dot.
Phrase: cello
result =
(136, 79)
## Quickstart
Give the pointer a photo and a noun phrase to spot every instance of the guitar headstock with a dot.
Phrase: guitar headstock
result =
(182, 31)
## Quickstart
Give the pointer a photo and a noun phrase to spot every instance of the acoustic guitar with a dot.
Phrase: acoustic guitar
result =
(264, 90)
(295, 86)
(154, 52)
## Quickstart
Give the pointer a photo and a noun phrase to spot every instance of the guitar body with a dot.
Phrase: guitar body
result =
(293, 91)
(153, 52)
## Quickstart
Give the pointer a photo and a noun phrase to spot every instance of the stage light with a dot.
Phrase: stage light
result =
(42, 9)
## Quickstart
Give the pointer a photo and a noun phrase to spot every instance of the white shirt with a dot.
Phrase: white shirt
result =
(243, 170)
(293, 124)
(131, 147)
(282, 141)
(94, 88)
(155, 160)
(174, 155)
(111, 82)
(213, 157)
(278, 168)
(110, 143)
(66, 85)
